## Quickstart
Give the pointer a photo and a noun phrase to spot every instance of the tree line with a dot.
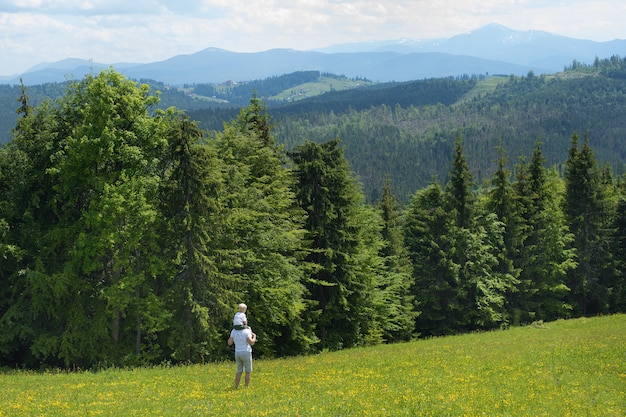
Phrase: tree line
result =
(128, 235)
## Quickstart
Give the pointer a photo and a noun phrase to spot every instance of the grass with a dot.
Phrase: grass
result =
(564, 368)
(482, 88)
(323, 85)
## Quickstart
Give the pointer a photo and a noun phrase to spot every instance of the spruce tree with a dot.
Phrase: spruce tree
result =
(28, 309)
(429, 231)
(330, 197)
(478, 243)
(502, 201)
(396, 285)
(460, 196)
(589, 214)
(459, 199)
(259, 242)
(617, 295)
(545, 256)
(198, 298)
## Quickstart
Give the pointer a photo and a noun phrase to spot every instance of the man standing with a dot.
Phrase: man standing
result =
(243, 340)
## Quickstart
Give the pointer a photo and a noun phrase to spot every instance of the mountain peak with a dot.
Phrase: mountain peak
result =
(67, 63)
(214, 49)
(493, 27)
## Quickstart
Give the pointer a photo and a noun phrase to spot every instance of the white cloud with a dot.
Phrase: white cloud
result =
(83, 7)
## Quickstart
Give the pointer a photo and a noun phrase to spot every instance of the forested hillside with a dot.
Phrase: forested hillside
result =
(128, 234)
(412, 143)
(406, 131)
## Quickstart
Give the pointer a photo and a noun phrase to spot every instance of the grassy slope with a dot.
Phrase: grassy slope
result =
(483, 88)
(565, 368)
(323, 85)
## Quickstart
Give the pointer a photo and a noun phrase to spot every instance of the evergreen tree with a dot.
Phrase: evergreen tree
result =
(502, 201)
(429, 232)
(486, 286)
(544, 257)
(10, 257)
(380, 301)
(618, 285)
(460, 196)
(259, 244)
(197, 298)
(29, 307)
(255, 119)
(397, 299)
(459, 199)
(331, 198)
(478, 243)
(589, 214)
(25, 108)
(525, 259)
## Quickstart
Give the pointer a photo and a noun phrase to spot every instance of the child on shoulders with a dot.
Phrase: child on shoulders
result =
(240, 321)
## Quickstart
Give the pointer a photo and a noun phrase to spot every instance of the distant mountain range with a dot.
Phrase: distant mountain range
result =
(492, 49)
(531, 48)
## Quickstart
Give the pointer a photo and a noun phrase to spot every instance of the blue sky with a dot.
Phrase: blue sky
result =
(113, 31)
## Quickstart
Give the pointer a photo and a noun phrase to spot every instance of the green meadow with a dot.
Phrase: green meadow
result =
(564, 368)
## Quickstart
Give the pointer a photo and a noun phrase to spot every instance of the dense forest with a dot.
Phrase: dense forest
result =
(128, 234)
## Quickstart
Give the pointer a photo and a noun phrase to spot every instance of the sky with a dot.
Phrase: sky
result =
(140, 31)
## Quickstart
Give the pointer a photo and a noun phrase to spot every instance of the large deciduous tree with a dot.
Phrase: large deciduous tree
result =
(87, 212)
